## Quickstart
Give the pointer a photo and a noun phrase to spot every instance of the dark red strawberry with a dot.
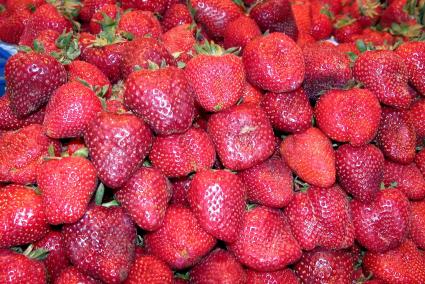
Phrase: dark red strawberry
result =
(139, 24)
(417, 114)
(408, 179)
(321, 21)
(417, 223)
(265, 241)
(117, 144)
(162, 97)
(9, 121)
(180, 188)
(178, 155)
(90, 7)
(420, 161)
(288, 112)
(181, 242)
(240, 31)
(345, 28)
(107, 17)
(242, 135)
(218, 267)
(31, 80)
(321, 217)
(360, 170)
(266, 61)
(13, 25)
(149, 269)
(22, 216)
(413, 54)
(180, 41)
(157, 6)
(178, 14)
(286, 276)
(106, 237)
(382, 224)
(72, 275)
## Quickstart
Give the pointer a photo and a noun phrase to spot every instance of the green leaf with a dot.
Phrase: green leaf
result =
(51, 150)
(361, 46)
(249, 207)
(100, 192)
(38, 46)
(111, 203)
(82, 152)
(181, 64)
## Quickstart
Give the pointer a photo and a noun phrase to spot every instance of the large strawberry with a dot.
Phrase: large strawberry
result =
(212, 189)
(139, 24)
(311, 156)
(240, 31)
(413, 54)
(242, 135)
(163, 98)
(181, 242)
(321, 217)
(72, 275)
(274, 62)
(408, 178)
(106, 237)
(286, 276)
(149, 269)
(31, 80)
(117, 144)
(9, 121)
(22, 216)
(417, 223)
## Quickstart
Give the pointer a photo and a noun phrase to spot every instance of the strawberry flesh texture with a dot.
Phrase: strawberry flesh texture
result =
(17, 268)
(140, 24)
(416, 232)
(9, 121)
(280, 276)
(149, 269)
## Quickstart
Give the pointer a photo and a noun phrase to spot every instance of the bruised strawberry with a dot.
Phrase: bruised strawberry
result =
(417, 114)
(240, 31)
(408, 178)
(180, 41)
(280, 276)
(178, 14)
(9, 121)
(413, 54)
(149, 269)
(417, 223)
(139, 24)
(72, 275)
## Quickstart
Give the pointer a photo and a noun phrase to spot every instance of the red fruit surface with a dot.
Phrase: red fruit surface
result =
(420, 161)
(240, 31)
(280, 276)
(146, 5)
(46, 39)
(72, 275)
(178, 14)
(416, 232)
(106, 14)
(180, 188)
(12, 25)
(149, 269)
(139, 24)
(417, 114)
(413, 54)
(408, 178)
(17, 268)
(180, 40)
(90, 7)
(9, 121)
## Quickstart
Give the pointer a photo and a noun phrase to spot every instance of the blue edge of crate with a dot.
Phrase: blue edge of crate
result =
(6, 50)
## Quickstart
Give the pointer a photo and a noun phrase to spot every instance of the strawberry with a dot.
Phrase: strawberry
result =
(326, 68)
(301, 10)
(408, 178)
(288, 112)
(321, 217)
(360, 170)
(31, 80)
(107, 17)
(269, 183)
(178, 14)
(180, 41)
(145, 197)
(157, 6)
(251, 94)
(395, 12)
(326, 266)
(212, 189)
(420, 161)
(275, 16)
(280, 276)
(71, 275)
(163, 98)
(107, 237)
(401, 265)
(178, 155)
(345, 27)
(413, 54)
(266, 63)
(180, 188)
(140, 24)
(367, 12)
(218, 267)
(242, 135)
(382, 224)
(321, 21)
(13, 25)
(9, 121)
(46, 41)
(311, 156)
(373, 37)
(417, 223)
(22, 216)
(385, 74)
(417, 114)
(90, 7)
(15, 6)
(265, 242)
(181, 242)
(349, 115)
(240, 31)
(149, 269)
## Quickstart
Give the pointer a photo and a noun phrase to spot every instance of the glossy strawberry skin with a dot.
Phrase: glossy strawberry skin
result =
(149, 269)
(148, 5)
(13, 25)
(72, 275)
(110, 10)
(17, 268)
(9, 121)
(417, 114)
(140, 23)
(420, 161)
(279, 276)
(178, 14)
(180, 242)
(22, 215)
(180, 40)
(180, 188)
(382, 224)
(321, 23)
(117, 144)
(90, 7)
(240, 31)
(417, 223)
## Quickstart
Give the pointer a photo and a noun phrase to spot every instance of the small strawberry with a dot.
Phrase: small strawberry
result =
(139, 24)
(413, 54)
(417, 114)
(420, 161)
(105, 19)
(13, 25)
(46, 41)
(396, 12)
(178, 14)
(286, 276)
(367, 12)
(408, 178)
(240, 31)
(157, 6)
(302, 15)
(16, 6)
(90, 7)
(9, 121)
(321, 21)
(180, 41)
(417, 223)
(72, 275)
(149, 269)
(251, 94)
(345, 27)
(180, 188)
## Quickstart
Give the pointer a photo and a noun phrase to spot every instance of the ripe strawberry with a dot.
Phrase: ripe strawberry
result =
(286, 276)
(401, 265)
(373, 37)
(181, 242)
(413, 54)
(180, 41)
(157, 6)
(13, 25)
(15, 6)
(90, 7)
(139, 24)
(395, 12)
(349, 115)
(9, 121)
(117, 144)
(22, 216)
(302, 14)
(269, 183)
(367, 12)
(345, 27)
(265, 241)
(105, 236)
(385, 74)
(311, 156)
(162, 97)
(218, 267)
(417, 114)
(180, 188)
(242, 135)
(321, 21)
(240, 31)
(178, 14)
(31, 80)
(178, 155)
(321, 217)
(266, 61)
(251, 94)
(149, 269)
(360, 170)
(326, 266)
(107, 17)
(72, 275)
(417, 223)
(420, 161)
(382, 224)
(408, 178)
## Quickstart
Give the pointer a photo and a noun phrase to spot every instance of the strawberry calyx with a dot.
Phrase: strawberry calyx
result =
(211, 48)
(68, 46)
(69, 9)
(249, 207)
(300, 186)
(406, 30)
(36, 254)
(344, 21)
(368, 7)
(184, 276)
(100, 192)
(327, 12)
(391, 186)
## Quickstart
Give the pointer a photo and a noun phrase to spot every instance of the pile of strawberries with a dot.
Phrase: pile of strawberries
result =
(213, 141)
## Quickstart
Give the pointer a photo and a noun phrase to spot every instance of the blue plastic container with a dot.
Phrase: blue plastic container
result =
(6, 50)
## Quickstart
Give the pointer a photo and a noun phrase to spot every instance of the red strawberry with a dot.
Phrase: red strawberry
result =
(269, 183)
(242, 135)
(321, 21)
(19, 5)
(321, 217)
(266, 61)
(417, 114)
(218, 267)
(106, 237)
(180, 41)
(149, 269)
(240, 31)
(13, 25)
(251, 94)
(289, 112)
(31, 80)
(416, 232)
(382, 224)
(265, 241)
(145, 197)
(302, 15)
(140, 23)
(402, 265)
(345, 28)
(420, 161)
(178, 14)
(360, 170)
(163, 98)
(413, 54)
(213, 189)
(180, 188)
(46, 41)
(367, 12)
(157, 6)
(385, 74)
(107, 17)
(311, 156)
(71, 275)
(408, 178)
(181, 242)
(326, 266)
(286, 276)
(9, 121)
(90, 7)
(395, 12)
(178, 155)
(22, 216)
(117, 144)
